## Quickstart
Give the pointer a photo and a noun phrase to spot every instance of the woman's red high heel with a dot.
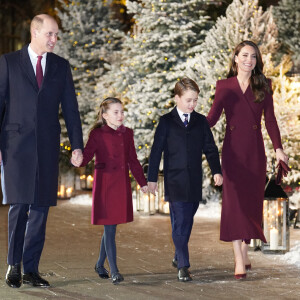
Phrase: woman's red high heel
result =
(240, 276)
(248, 267)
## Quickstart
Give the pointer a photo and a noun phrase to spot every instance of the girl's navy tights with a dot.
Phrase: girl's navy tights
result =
(108, 248)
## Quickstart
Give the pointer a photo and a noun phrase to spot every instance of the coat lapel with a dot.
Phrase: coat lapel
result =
(178, 120)
(176, 117)
(192, 119)
(51, 66)
(247, 97)
(27, 68)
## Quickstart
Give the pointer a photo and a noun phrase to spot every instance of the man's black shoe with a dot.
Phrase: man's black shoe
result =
(13, 276)
(35, 279)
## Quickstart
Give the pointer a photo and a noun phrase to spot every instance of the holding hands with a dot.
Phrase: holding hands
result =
(152, 187)
(144, 189)
(77, 157)
(218, 178)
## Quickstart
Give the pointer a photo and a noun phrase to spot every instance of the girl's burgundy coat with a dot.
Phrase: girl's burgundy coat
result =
(115, 155)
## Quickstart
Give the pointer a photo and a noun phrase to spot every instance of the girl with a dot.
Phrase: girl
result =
(113, 146)
(244, 96)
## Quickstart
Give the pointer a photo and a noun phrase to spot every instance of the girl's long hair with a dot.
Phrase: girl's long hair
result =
(258, 81)
(104, 106)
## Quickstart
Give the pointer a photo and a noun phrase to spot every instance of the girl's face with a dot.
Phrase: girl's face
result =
(114, 116)
(187, 101)
(246, 59)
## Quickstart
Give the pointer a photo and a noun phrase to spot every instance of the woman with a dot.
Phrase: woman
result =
(244, 96)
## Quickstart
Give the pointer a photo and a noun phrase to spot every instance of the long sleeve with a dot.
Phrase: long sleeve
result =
(271, 123)
(157, 150)
(217, 107)
(70, 112)
(3, 87)
(211, 151)
(89, 149)
(134, 165)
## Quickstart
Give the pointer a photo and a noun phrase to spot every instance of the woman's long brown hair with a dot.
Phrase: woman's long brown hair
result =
(258, 81)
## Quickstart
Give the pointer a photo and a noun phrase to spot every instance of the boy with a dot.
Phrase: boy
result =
(183, 135)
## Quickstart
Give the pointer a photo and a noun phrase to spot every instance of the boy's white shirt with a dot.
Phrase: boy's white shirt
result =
(182, 117)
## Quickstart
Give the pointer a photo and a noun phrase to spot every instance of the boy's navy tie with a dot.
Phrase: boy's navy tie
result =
(39, 71)
(186, 120)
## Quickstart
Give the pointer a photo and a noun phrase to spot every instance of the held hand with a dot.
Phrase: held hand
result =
(144, 189)
(77, 157)
(152, 187)
(280, 155)
(218, 178)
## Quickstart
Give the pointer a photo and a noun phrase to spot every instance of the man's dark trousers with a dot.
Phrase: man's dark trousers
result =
(26, 235)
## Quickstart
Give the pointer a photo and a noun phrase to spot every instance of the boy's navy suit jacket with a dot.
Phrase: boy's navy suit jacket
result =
(183, 148)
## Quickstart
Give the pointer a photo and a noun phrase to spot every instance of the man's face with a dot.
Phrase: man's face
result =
(45, 38)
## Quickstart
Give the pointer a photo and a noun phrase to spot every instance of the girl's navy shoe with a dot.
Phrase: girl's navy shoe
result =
(102, 272)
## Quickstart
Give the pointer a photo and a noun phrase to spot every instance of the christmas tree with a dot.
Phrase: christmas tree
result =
(286, 95)
(287, 18)
(88, 40)
(165, 34)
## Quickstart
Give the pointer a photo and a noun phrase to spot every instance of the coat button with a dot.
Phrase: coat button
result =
(254, 127)
(231, 128)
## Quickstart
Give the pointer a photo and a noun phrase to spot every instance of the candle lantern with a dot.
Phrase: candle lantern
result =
(89, 182)
(163, 206)
(146, 202)
(275, 219)
(66, 185)
(86, 177)
(86, 182)
(83, 182)
(138, 196)
(255, 245)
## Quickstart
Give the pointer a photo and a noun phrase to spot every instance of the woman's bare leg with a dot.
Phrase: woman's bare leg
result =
(238, 257)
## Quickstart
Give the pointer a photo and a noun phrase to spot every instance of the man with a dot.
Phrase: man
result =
(34, 82)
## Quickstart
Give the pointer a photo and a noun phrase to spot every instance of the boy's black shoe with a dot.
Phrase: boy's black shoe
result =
(174, 263)
(116, 278)
(184, 275)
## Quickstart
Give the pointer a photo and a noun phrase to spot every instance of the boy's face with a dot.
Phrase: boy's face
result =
(187, 101)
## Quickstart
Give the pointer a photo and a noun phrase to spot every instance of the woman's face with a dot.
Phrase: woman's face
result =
(246, 59)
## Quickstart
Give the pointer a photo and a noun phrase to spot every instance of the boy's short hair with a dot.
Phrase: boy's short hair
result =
(185, 84)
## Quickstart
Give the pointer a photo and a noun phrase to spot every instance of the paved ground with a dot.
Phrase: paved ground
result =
(144, 258)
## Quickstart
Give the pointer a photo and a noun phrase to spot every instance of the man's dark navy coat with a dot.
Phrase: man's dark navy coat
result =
(30, 128)
(183, 148)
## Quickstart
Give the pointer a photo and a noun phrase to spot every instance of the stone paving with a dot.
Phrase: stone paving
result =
(145, 253)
